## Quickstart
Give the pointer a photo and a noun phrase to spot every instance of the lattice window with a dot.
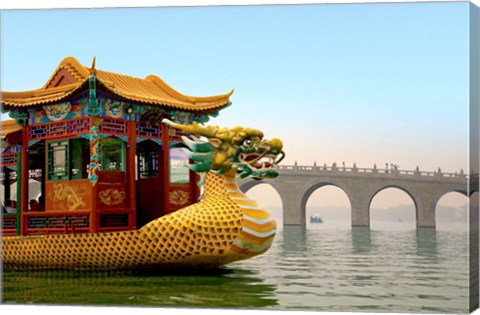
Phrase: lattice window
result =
(148, 159)
(68, 159)
(114, 126)
(58, 160)
(112, 154)
(78, 126)
(38, 131)
(37, 222)
(9, 159)
(148, 164)
(9, 222)
(57, 222)
(59, 129)
(149, 131)
(78, 221)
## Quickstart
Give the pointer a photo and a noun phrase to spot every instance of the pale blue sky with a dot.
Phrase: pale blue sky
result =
(364, 83)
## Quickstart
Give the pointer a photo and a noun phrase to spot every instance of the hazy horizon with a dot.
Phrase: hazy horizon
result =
(395, 217)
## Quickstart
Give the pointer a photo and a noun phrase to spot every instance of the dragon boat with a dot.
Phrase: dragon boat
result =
(225, 226)
(98, 182)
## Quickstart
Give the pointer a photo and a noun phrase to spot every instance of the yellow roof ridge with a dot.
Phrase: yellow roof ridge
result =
(43, 91)
(152, 90)
(40, 96)
(193, 99)
(73, 66)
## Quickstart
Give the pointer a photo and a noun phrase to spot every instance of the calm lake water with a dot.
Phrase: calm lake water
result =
(322, 267)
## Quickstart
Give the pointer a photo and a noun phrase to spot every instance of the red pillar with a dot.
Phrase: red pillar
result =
(166, 168)
(93, 172)
(132, 189)
(24, 183)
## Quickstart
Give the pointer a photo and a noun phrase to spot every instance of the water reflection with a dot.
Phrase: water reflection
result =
(426, 242)
(317, 268)
(294, 238)
(293, 250)
(361, 240)
(212, 288)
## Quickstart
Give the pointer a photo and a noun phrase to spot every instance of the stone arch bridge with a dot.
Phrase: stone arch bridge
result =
(296, 183)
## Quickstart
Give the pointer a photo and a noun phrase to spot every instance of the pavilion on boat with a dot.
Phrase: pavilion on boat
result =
(88, 153)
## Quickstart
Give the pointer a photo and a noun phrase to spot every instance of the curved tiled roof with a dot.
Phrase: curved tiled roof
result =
(7, 127)
(38, 97)
(151, 90)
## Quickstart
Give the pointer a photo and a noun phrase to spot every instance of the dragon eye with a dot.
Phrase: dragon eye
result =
(247, 143)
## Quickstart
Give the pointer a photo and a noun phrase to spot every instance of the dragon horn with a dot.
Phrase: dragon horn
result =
(194, 128)
(197, 145)
(174, 125)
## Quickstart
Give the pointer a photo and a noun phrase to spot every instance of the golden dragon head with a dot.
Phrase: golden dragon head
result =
(223, 150)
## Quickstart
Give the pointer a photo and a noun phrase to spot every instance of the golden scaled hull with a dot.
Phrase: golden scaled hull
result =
(201, 235)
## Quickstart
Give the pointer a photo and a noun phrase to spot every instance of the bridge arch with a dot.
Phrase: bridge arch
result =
(417, 203)
(448, 208)
(311, 187)
(296, 183)
(445, 191)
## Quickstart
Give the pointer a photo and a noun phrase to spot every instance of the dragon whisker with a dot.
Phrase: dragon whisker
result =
(282, 156)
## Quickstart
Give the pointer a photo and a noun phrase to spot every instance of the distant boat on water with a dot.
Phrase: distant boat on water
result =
(315, 219)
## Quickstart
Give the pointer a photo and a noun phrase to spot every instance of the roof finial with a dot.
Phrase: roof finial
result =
(93, 71)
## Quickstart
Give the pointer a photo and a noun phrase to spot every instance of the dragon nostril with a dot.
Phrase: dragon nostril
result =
(266, 148)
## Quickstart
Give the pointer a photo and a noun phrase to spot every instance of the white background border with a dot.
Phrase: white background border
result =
(58, 4)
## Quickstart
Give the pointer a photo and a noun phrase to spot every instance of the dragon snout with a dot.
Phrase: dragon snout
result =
(274, 146)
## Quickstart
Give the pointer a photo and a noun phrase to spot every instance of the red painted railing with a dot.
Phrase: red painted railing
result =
(9, 159)
(114, 126)
(74, 222)
(60, 129)
(9, 224)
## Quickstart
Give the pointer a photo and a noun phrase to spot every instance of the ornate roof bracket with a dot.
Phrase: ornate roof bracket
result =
(93, 109)
(20, 116)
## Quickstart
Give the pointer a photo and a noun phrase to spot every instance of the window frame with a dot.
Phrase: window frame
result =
(148, 162)
(67, 174)
(185, 176)
(52, 175)
(103, 154)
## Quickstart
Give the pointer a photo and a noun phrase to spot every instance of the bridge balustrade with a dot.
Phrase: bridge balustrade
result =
(341, 170)
(297, 182)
